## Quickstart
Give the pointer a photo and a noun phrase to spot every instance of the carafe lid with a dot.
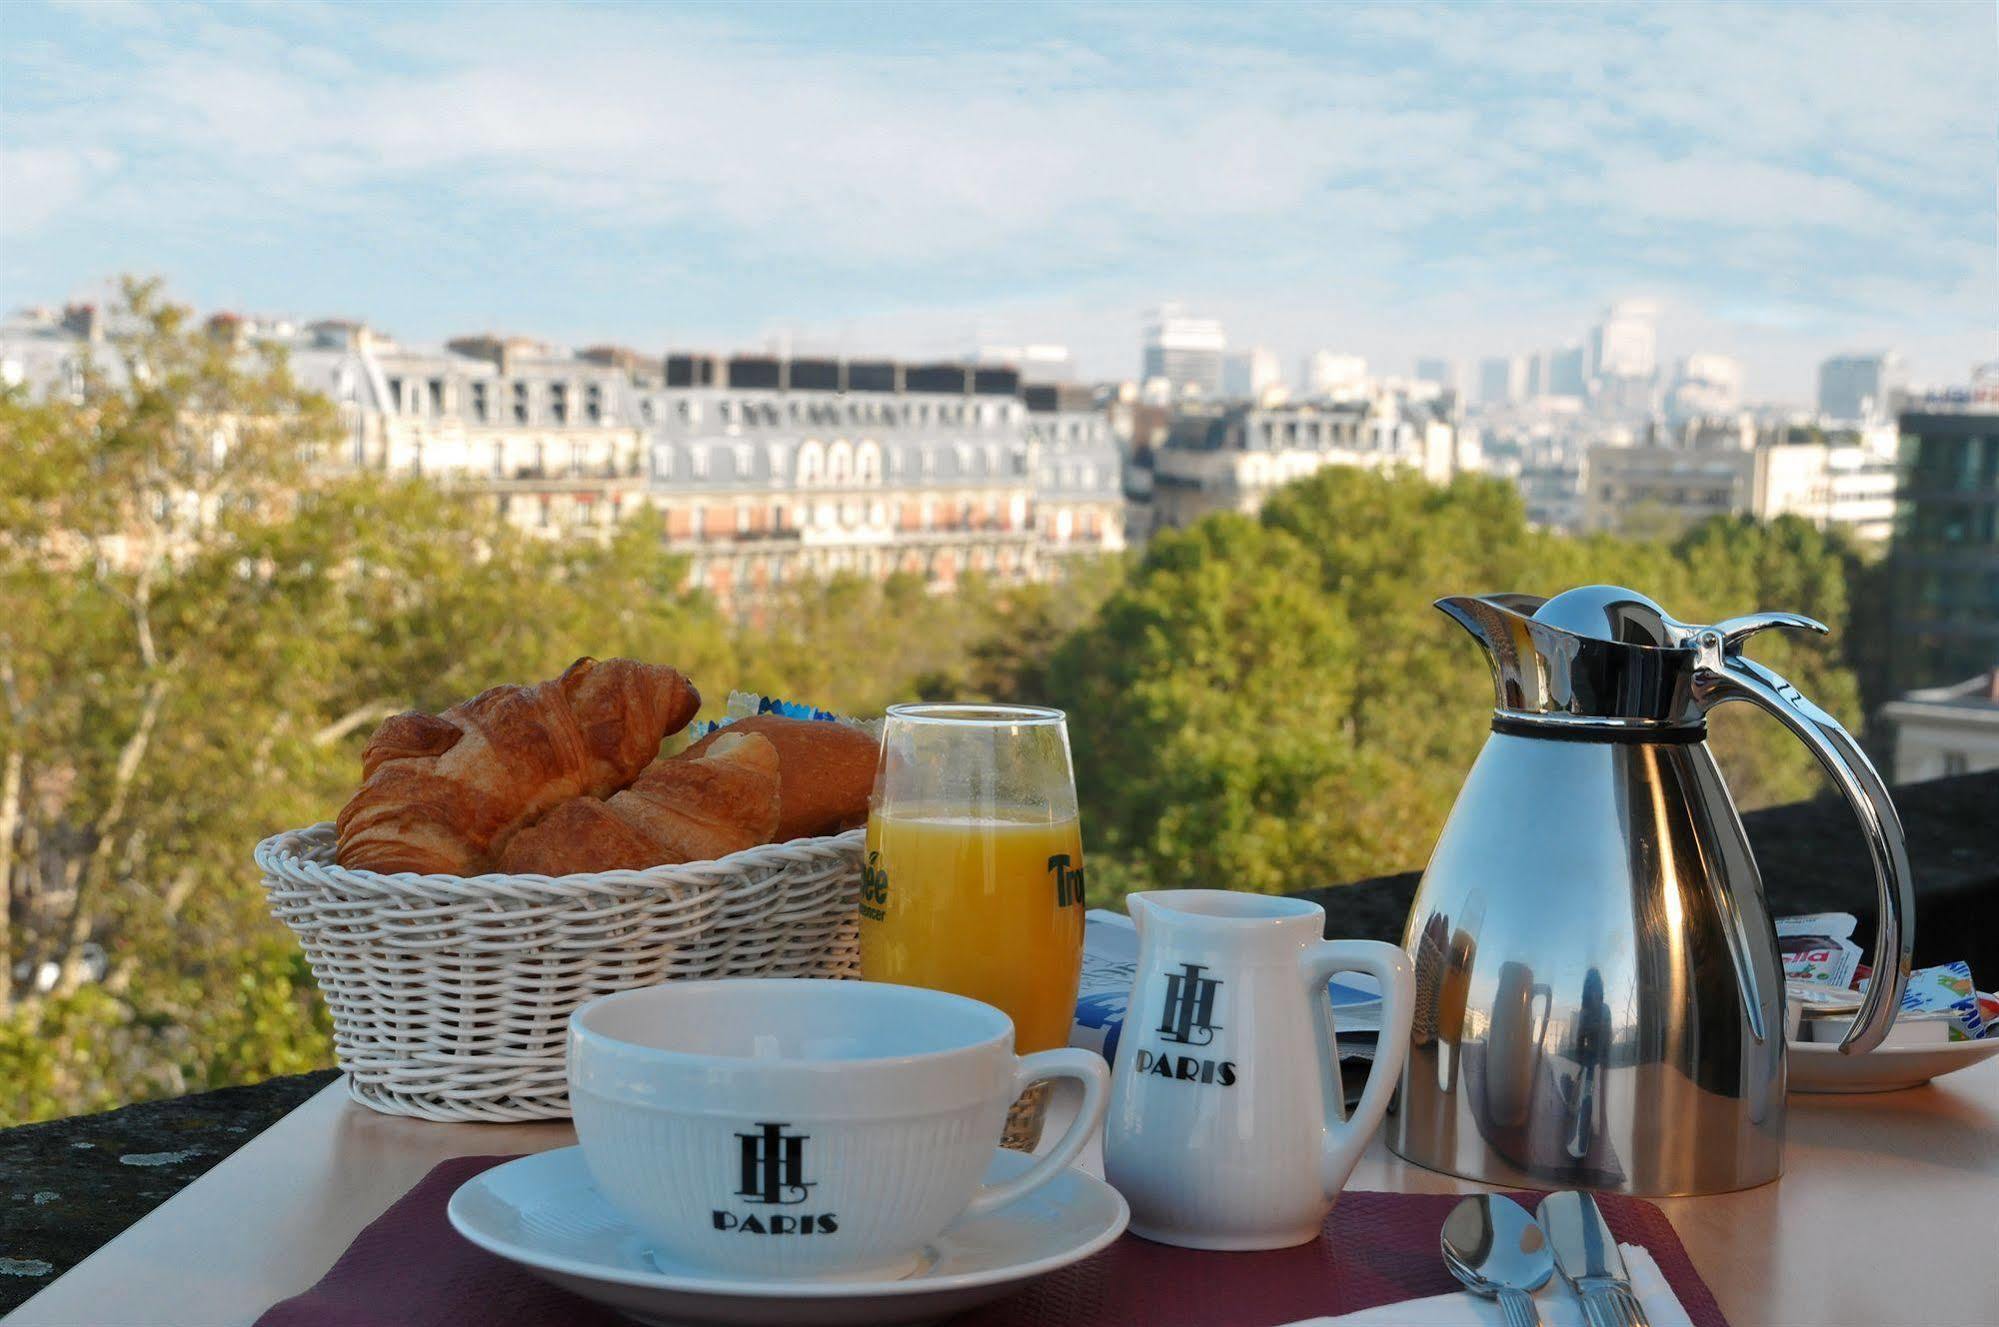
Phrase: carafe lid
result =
(1596, 658)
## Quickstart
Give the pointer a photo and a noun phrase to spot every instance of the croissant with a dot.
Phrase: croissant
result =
(676, 811)
(442, 793)
(828, 770)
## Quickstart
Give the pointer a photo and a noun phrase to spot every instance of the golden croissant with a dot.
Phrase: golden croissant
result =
(677, 811)
(442, 793)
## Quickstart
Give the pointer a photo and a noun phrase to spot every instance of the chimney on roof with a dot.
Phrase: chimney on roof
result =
(84, 321)
(226, 328)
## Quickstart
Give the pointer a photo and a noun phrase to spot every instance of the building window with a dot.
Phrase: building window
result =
(479, 403)
(744, 460)
(558, 402)
(1956, 762)
(593, 403)
(700, 462)
(520, 403)
(396, 403)
(742, 518)
(437, 396)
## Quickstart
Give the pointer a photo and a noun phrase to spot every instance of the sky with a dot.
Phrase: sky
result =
(1785, 181)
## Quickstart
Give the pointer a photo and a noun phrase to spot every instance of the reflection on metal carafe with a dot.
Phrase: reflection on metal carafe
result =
(1599, 997)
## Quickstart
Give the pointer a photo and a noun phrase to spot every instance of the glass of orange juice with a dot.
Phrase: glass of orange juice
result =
(974, 874)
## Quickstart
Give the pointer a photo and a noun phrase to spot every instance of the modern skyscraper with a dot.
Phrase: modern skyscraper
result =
(1944, 561)
(1185, 352)
(1438, 371)
(1327, 374)
(1626, 342)
(1568, 372)
(1501, 379)
(1705, 386)
(1859, 388)
(1246, 377)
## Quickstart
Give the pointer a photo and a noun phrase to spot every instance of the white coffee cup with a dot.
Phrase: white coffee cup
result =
(789, 1128)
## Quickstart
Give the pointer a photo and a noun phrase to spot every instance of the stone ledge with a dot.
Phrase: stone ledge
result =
(68, 1186)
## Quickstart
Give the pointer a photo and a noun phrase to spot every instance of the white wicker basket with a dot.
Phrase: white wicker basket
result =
(451, 997)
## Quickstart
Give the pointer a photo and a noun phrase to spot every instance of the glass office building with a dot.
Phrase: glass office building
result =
(1945, 557)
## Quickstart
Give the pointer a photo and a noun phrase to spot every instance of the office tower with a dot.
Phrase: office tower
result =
(1327, 374)
(1185, 352)
(1501, 379)
(1705, 386)
(1626, 343)
(1438, 371)
(1247, 376)
(1567, 373)
(1944, 559)
(1860, 388)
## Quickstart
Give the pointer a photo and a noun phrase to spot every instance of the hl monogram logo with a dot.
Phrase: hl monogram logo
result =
(1190, 1005)
(774, 1176)
(773, 1166)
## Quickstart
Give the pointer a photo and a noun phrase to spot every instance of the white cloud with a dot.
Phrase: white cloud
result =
(38, 184)
(1285, 164)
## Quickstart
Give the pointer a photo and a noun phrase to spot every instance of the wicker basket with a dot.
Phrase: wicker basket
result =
(451, 997)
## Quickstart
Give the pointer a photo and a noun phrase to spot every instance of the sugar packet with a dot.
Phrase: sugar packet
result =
(1818, 947)
(749, 704)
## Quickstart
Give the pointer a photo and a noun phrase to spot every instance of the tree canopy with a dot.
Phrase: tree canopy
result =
(1273, 704)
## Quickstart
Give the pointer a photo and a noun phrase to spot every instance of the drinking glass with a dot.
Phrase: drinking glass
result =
(974, 875)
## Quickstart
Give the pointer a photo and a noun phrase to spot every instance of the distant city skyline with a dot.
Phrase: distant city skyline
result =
(1391, 183)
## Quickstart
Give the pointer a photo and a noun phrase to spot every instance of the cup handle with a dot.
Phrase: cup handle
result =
(1391, 967)
(1087, 1068)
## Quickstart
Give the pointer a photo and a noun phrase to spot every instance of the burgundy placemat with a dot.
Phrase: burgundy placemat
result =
(409, 1268)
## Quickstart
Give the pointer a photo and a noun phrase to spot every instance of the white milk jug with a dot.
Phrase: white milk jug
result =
(1225, 1129)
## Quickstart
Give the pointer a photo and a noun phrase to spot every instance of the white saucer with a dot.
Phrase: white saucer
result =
(1819, 1067)
(544, 1213)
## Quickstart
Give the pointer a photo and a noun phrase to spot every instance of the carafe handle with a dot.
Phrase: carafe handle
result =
(1724, 674)
(1346, 1139)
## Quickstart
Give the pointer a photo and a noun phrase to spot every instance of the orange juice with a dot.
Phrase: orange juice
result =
(987, 906)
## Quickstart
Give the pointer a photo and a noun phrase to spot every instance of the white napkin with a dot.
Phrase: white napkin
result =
(1558, 1305)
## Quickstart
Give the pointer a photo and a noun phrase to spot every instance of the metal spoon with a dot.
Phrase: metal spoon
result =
(1498, 1250)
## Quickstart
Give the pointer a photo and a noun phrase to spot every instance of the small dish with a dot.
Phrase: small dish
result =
(1819, 1067)
(544, 1213)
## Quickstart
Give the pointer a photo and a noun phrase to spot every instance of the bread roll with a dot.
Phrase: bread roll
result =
(825, 772)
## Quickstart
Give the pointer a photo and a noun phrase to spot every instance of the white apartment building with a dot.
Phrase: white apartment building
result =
(764, 469)
(1723, 468)
(1232, 458)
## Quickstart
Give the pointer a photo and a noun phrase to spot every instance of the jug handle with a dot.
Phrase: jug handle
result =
(1346, 1139)
(1724, 674)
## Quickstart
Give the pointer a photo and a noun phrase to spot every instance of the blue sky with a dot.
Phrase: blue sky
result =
(1396, 180)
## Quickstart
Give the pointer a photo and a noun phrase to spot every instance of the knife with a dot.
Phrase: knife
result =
(1586, 1253)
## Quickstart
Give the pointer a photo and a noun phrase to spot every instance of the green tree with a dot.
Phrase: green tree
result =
(198, 629)
(1275, 705)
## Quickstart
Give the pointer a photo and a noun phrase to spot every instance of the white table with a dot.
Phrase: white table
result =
(1888, 1214)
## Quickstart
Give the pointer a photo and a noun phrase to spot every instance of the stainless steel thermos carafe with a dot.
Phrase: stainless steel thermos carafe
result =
(1599, 998)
